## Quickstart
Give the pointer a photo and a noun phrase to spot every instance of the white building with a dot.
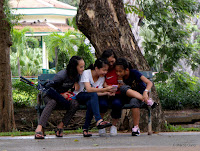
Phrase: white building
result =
(44, 17)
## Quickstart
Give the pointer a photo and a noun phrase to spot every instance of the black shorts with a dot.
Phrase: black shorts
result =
(135, 103)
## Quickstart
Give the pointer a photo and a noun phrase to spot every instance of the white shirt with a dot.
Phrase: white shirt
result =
(87, 77)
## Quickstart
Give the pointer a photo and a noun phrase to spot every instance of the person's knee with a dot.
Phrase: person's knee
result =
(135, 103)
(93, 95)
(51, 102)
(124, 89)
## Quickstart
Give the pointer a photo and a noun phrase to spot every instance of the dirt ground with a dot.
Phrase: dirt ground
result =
(26, 119)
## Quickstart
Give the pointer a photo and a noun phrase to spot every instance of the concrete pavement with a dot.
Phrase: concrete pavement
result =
(184, 141)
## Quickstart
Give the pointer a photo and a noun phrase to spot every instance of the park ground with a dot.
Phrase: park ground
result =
(165, 141)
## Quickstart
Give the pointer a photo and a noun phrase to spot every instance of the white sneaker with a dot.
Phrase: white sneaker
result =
(135, 131)
(113, 130)
(102, 132)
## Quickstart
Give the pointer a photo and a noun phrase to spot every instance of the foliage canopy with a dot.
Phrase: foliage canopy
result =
(166, 32)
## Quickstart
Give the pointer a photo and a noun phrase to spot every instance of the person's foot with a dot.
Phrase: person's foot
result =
(150, 102)
(59, 132)
(135, 131)
(113, 130)
(86, 134)
(39, 135)
(102, 132)
(103, 124)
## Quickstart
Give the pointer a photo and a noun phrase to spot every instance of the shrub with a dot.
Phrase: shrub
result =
(180, 91)
(23, 94)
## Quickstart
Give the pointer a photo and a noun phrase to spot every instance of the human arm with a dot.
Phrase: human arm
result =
(91, 89)
(66, 95)
(149, 84)
(76, 86)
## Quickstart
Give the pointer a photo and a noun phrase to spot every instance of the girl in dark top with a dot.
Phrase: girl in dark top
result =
(63, 81)
(136, 87)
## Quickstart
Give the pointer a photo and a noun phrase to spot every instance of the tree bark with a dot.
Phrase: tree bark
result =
(105, 24)
(7, 122)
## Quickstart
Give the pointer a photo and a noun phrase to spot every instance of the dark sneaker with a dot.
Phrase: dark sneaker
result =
(135, 131)
(154, 105)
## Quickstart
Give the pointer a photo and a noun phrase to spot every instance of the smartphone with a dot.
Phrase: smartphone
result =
(120, 81)
(115, 86)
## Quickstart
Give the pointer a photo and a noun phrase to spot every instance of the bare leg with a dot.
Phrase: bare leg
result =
(102, 115)
(114, 121)
(39, 132)
(60, 126)
(39, 128)
(136, 116)
(134, 94)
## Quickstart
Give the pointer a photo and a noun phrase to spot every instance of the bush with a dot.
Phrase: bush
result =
(179, 92)
(23, 94)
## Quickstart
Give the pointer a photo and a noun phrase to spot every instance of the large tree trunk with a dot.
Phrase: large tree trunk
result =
(105, 24)
(7, 122)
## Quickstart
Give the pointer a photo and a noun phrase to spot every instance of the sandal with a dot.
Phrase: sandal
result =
(103, 124)
(60, 131)
(39, 135)
(86, 135)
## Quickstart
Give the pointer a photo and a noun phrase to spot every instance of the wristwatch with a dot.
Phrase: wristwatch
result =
(146, 90)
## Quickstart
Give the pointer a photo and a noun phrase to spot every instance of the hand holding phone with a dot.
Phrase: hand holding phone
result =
(114, 87)
(120, 82)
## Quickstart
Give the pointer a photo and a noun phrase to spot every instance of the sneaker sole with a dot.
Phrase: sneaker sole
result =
(102, 135)
(113, 134)
(135, 134)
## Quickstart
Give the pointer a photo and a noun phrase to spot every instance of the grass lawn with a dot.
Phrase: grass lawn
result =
(19, 133)
(169, 128)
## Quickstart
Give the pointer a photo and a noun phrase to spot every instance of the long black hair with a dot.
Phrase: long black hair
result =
(124, 63)
(71, 67)
(99, 63)
(108, 53)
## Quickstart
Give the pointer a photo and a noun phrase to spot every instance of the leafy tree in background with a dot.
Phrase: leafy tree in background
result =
(19, 48)
(86, 54)
(166, 34)
(30, 62)
(62, 45)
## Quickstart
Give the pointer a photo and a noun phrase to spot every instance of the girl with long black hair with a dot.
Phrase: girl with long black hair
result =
(65, 80)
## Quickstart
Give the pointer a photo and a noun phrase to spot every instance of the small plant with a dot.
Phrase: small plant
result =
(23, 94)
(19, 133)
(172, 128)
(179, 92)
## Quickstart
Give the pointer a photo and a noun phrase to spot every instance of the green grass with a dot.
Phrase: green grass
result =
(19, 133)
(169, 128)
(172, 128)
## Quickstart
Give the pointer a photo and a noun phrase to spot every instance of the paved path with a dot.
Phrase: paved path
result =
(188, 141)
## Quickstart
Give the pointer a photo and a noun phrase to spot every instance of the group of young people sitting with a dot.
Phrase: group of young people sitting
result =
(110, 81)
